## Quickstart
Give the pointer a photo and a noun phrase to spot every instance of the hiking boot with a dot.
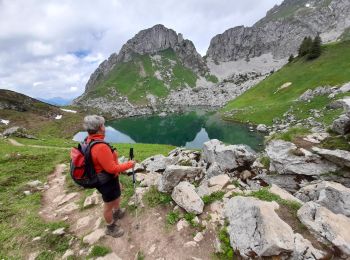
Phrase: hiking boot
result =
(114, 231)
(119, 214)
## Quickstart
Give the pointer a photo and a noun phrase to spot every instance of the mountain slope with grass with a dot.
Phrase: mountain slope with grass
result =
(279, 93)
(151, 66)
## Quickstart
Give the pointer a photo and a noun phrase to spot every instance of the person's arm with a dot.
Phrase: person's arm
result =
(106, 160)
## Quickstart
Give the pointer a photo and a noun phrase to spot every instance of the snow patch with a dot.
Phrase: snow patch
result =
(69, 111)
(6, 122)
(58, 117)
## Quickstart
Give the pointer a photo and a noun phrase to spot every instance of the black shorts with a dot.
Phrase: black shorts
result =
(110, 190)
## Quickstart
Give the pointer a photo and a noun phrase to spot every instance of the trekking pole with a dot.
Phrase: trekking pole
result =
(131, 156)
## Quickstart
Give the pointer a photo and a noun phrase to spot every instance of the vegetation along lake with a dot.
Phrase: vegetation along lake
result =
(188, 130)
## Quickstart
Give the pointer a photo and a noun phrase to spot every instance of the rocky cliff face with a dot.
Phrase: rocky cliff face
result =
(152, 41)
(282, 30)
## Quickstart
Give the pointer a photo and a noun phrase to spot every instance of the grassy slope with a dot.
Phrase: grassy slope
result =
(261, 104)
(135, 79)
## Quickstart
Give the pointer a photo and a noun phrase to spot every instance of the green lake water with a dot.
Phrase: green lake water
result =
(188, 130)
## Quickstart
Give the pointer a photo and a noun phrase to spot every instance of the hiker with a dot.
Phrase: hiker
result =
(105, 162)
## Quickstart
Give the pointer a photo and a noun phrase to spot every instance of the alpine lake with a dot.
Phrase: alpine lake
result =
(189, 130)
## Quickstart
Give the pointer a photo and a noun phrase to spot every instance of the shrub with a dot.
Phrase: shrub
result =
(173, 217)
(226, 249)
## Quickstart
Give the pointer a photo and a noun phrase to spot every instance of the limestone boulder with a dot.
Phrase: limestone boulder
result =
(326, 225)
(185, 196)
(93, 199)
(174, 174)
(285, 158)
(331, 195)
(304, 250)
(150, 179)
(227, 157)
(283, 194)
(156, 163)
(339, 157)
(341, 125)
(95, 236)
(255, 229)
(261, 128)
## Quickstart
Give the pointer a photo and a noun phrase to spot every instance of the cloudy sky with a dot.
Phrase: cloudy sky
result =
(49, 48)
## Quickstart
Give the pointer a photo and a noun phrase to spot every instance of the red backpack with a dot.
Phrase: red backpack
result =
(82, 169)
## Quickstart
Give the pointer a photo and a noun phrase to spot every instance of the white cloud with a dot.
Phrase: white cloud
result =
(50, 48)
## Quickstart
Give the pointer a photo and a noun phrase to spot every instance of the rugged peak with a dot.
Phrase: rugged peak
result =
(282, 30)
(151, 41)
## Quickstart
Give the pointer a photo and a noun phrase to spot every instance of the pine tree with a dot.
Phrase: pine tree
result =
(315, 50)
(291, 58)
(305, 46)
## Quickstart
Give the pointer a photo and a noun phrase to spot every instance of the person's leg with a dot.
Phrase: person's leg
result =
(108, 212)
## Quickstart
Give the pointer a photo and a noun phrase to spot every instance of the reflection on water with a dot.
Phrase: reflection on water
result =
(190, 130)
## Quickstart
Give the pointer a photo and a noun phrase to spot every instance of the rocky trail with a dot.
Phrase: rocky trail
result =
(153, 238)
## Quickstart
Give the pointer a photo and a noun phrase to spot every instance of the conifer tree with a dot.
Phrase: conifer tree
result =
(315, 50)
(291, 58)
(305, 46)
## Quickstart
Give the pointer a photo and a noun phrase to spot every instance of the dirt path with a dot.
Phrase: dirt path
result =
(154, 239)
(16, 143)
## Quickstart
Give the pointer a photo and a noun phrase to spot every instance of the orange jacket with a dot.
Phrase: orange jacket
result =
(103, 158)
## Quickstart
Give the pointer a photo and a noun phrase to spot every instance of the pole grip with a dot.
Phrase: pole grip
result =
(131, 153)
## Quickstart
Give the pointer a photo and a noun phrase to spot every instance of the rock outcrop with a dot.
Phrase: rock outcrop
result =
(226, 157)
(326, 225)
(256, 230)
(282, 30)
(184, 194)
(331, 195)
(285, 158)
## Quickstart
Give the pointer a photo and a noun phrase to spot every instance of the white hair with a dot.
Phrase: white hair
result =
(92, 123)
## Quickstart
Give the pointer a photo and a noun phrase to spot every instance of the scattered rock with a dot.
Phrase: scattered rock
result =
(284, 159)
(339, 157)
(190, 244)
(213, 170)
(67, 254)
(256, 230)
(331, 195)
(150, 179)
(182, 224)
(173, 174)
(326, 225)
(33, 256)
(59, 232)
(219, 180)
(262, 128)
(27, 192)
(205, 190)
(341, 125)
(152, 249)
(35, 184)
(185, 196)
(156, 163)
(93, 199)
(93, 237)
(18, 132)
(67, 198)
(83, 222)
(198, 237)
(303, 249)
(316, 138)
(67, 209)
(228, 157)
(245, 175)
(36, 239)
(283, 194)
